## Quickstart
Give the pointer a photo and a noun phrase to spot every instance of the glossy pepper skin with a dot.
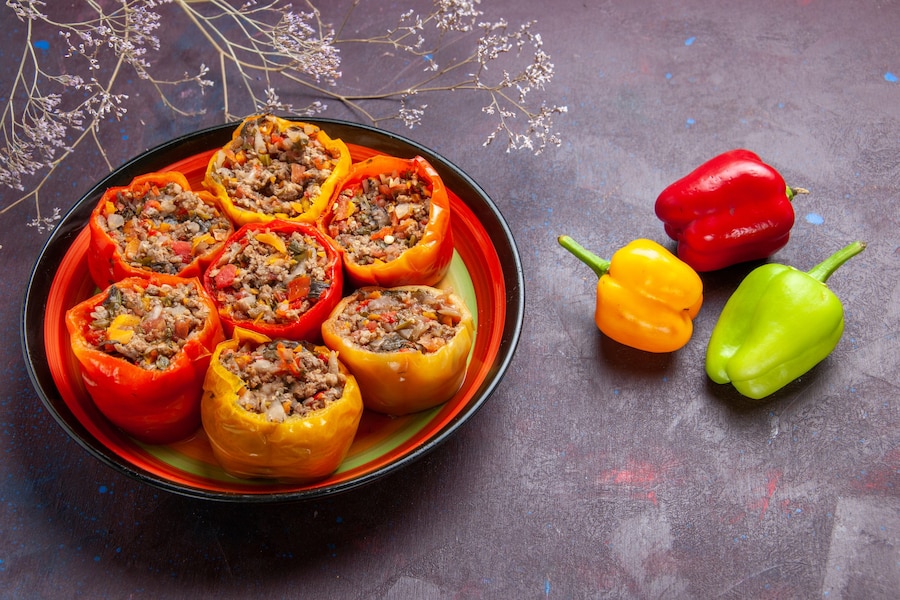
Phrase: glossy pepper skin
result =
(106, 263)
(307, 327)
(153, 406)
(778, 324)
(424, 263)
(241, 150)
(298, 449)
(731, 209)
(646, 297)
(403, 382)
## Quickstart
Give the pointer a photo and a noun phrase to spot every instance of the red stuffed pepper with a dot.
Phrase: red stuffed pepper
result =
(391, 222)
(732, 209)
(144, 345)
(156, 224)
(281, 279)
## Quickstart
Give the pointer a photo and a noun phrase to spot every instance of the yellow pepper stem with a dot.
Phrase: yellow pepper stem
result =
(599, 265)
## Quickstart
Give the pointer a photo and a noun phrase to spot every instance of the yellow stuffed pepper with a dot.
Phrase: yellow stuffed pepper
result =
(279, 409)
(276, 169)
(407, 346)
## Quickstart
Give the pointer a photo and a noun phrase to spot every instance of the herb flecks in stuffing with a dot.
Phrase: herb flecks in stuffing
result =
(270, 277)
(275, 172)
(163, 229)
(398, 320)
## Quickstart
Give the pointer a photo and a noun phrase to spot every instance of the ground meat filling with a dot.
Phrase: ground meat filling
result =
(399, 320)
(272, 171)
(163, 229)
(381, 217)
(284, 379)
(271, 277)
(148, 327)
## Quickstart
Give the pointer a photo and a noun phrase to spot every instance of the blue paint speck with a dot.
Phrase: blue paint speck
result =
(102, 489)
(889, 77)
(689, 122)
(668, 76)
(42, 45)
(546, 587)
(690, 41)
(428, 57)
(815, 219)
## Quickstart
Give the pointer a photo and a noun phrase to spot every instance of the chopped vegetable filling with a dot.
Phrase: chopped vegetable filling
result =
(275, 172)
(381, 217)
(284, 378)
(163, 229)
(147, 328)
(269, 276)
(400, 320)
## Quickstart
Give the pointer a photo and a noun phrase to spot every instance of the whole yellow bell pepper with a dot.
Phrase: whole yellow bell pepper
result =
(250, 445)
(647, 298)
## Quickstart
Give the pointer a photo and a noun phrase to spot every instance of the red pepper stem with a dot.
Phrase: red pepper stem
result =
(823, 270)
(794, 191)
(599, 265)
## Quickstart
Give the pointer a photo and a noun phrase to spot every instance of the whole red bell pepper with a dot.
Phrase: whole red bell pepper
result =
(731, 209)
(277, 278)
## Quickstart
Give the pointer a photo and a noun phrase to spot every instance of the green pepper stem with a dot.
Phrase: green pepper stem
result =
(599, 265)
(823, 270)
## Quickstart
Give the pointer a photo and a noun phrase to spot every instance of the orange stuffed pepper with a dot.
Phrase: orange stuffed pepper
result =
(408, 346)
(156, 224)
(391, 221)
(144, 345)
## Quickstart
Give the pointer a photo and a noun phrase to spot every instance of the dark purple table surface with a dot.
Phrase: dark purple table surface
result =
(593, 471)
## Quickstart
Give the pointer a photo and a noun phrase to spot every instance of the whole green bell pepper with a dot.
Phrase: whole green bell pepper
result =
(778, 324)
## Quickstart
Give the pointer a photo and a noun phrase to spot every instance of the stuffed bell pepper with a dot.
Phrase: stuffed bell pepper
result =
(391, 221)
(407, 346)
(144, 345)
(277, 169)
(156, 224)
(279, 409)
(281, 279)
